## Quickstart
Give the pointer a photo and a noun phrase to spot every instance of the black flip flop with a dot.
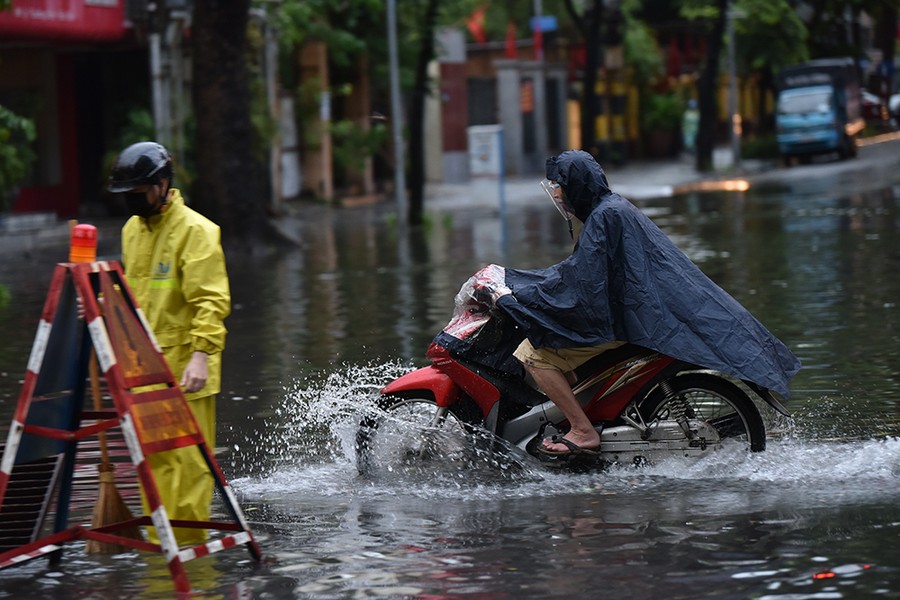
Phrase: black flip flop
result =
(573, 448)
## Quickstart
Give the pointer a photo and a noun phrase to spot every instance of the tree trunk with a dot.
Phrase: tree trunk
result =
(417, 117)
(706, 91)
(885, 40)
(589, 26)
(230, 185)
(766, 87)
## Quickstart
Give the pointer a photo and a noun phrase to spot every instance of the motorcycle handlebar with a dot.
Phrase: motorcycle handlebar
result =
(483, 294)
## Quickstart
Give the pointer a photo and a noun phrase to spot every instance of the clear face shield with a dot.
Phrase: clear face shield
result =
(554, 190)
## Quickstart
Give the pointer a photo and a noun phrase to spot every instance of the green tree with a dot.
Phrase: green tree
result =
(769, 35)
(642, 53)
(346, 27)
(420, 91)
(646, 64)
(17, 134)
(353, 32)
(356, 27)
(711, 17)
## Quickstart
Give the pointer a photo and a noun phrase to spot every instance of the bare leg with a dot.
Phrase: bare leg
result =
(553, 382)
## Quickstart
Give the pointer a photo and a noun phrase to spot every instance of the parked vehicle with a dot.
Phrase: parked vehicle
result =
(874, 108)
(819, 109)
(894, 109)
(475, 398)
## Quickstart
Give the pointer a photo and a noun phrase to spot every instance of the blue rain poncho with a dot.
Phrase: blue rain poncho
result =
(626, 280)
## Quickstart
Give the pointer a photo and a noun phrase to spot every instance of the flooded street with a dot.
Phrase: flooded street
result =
(316, 330)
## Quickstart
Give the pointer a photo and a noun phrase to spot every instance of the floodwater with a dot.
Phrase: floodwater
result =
(317, 329)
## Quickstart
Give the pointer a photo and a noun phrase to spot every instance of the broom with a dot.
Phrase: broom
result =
(110, 507)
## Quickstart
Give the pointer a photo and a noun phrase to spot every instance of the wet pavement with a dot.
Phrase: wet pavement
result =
(317, 327)
(636, 180)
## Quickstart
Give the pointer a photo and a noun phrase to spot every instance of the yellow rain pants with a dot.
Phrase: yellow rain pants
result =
(175, 266)
(172, 470)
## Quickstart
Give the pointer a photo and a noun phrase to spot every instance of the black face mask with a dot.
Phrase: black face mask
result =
(137, 204)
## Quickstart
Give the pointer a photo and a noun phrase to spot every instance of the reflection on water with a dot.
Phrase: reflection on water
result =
(750, 522)
(317, 330)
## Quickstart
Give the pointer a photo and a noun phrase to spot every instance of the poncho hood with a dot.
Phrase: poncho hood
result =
(625, 280)
(582, 179)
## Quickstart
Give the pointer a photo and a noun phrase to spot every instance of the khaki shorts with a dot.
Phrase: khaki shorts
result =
(562, 359)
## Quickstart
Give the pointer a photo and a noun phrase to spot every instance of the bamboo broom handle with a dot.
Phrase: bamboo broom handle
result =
(98, 404)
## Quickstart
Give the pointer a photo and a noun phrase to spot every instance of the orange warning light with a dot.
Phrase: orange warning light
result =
(83, 247)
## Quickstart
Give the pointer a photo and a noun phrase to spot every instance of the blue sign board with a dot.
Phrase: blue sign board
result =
(543, 23)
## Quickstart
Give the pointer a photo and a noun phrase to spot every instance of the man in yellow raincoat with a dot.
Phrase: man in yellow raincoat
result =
(175, 266)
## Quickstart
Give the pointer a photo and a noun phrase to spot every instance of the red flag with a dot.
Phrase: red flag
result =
(475, 24)
(673, 58)
(511, 40)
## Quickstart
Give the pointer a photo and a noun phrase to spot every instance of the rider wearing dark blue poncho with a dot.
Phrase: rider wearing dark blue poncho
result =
(626, 281)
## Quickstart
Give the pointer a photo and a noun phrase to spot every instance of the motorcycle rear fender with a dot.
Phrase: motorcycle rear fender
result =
(769, 396)
(677, 367)
(428, 380)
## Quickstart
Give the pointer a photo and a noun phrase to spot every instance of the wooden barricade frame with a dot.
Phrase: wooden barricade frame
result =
(149, 407)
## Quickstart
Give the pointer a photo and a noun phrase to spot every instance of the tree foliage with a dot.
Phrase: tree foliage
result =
(17, 134)
(642, 52)
(353, 28)
(769, 35)
(349, 27)
(712, 18)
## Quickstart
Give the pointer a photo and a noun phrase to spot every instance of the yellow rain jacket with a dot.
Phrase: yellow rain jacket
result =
(175, 267)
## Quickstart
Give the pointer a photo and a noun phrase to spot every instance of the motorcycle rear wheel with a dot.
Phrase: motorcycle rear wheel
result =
(711, 399)
(409, 432)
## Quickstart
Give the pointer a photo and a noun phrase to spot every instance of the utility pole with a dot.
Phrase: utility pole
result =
(540, 88)
(733, 113)
(167, 22)
(396, 113)
(158, 78)
(538, 32)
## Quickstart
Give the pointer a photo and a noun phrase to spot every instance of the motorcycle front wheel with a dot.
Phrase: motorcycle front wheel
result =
(711, 399)
(411, 433)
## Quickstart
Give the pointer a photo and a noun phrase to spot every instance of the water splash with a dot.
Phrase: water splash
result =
(313, 437)
(794, 461)
(318, 418)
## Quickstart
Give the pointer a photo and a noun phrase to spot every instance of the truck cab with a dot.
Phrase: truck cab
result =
(818, 110)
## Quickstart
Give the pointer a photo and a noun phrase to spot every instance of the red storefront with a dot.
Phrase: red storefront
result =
(56, 59)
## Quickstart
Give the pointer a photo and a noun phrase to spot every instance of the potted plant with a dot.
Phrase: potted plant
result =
(661, 120)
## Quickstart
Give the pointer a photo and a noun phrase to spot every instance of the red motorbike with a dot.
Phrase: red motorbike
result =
(646, 406)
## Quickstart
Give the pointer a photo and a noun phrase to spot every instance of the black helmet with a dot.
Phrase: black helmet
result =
(144, 163)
